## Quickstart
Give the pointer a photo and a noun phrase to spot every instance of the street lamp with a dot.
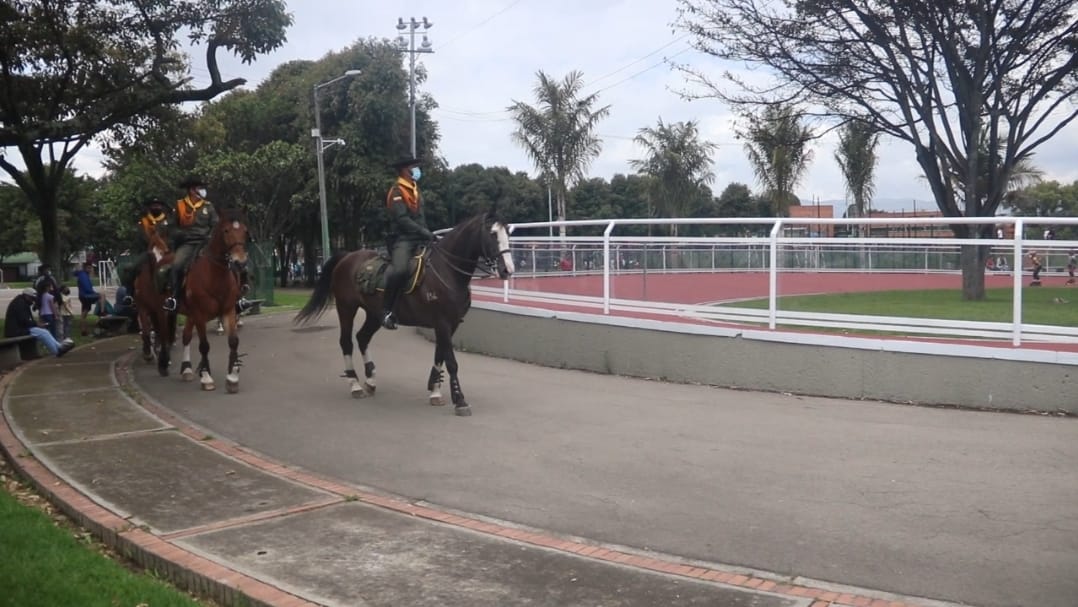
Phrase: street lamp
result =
(320, 146)
(408, 46)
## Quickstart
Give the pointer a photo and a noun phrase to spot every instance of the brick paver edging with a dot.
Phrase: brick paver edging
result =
(758, 581)
(185, 569)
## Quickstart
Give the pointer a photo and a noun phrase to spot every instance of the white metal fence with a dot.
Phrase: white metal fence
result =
(611, 256)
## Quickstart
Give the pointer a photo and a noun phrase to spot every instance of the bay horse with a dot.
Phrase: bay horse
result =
(439, 300)
(210, 290)
(152, 318)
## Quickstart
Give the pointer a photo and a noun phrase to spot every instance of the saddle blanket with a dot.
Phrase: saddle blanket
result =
(371, 278)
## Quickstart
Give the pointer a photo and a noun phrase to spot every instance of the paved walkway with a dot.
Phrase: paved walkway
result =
(230, 521)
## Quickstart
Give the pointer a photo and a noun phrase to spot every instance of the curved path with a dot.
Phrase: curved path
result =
(960, 506)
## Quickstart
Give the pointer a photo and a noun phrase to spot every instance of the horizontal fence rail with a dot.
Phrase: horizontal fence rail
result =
(593, 248)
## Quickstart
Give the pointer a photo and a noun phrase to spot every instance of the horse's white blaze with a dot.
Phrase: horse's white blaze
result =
(503, 245)
(235, 225)
(157, 254)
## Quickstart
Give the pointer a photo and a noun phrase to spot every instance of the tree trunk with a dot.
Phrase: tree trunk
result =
(45, 201)
(973, 259)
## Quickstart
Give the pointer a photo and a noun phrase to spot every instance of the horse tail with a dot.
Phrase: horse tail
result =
(323, 291)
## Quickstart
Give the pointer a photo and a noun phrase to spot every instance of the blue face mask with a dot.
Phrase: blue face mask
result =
(416, 173)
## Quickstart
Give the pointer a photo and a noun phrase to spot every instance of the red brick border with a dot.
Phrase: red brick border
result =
(185, 569)
(208, 578)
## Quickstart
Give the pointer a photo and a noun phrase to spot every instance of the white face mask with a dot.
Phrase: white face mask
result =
(201, 192)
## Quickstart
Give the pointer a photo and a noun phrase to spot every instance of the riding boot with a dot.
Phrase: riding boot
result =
(175, 280)
(389, 301)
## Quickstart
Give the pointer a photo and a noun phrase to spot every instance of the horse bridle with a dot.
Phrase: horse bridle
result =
(489, 264)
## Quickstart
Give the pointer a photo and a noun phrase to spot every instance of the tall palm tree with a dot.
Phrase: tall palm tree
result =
(677, 162)
(777, 145)
(558, 133)
(856, 157)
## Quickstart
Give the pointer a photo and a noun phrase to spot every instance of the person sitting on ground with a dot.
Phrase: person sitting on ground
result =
(88, 297)
(19, 322)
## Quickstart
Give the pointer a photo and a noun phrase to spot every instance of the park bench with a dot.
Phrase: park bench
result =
(255, 307)
(14, 350)
(111, 325)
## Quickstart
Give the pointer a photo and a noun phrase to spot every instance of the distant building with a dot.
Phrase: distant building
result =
(19, 267)
(821, 230)
(909, 231)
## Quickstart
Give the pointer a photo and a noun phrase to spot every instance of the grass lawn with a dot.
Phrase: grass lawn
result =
(288, 300)
(1042, 305)
(47, 561)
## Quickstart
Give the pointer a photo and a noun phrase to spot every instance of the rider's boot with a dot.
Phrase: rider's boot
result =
(174, 290)
(389, 301)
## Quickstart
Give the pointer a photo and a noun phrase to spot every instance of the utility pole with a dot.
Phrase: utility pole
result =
(321, 143)
(407, 45)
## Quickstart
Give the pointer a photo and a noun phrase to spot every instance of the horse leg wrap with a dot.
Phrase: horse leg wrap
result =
(368, 369)
(435, 379)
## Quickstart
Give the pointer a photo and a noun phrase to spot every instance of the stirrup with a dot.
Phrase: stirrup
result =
(170, 304)
(243, 304)
(128, 300)
(389, 321)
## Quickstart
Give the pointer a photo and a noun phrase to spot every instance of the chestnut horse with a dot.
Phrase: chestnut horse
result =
(152, 318)
(211, 289)
(439, 300)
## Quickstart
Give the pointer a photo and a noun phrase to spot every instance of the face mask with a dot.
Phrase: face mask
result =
(416, 173)
(201, 192)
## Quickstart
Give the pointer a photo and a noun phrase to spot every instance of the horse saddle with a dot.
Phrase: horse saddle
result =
(371, 277)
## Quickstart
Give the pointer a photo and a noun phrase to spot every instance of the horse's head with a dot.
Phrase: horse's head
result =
(232, 232)
(495, 243)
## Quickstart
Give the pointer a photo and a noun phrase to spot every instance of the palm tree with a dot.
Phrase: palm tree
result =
(677, 162)
(558, 133)
(777, 146)
(856, 157)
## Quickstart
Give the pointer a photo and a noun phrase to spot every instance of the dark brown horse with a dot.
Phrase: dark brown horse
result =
(148, 302)
(439, 300)
(211, 290)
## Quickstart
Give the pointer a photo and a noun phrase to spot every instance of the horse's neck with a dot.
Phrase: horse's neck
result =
(463, 254)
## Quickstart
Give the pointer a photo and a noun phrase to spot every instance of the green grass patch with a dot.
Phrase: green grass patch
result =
(287, 300)
(43, 564)
(1043, 305)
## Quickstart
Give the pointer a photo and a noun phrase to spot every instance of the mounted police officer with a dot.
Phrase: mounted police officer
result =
(195, 218)
(406, 232)
(156, 218)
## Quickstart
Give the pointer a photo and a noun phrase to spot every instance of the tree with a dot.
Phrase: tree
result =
(856, 157)
(942, 75)
(16, 218)
(777, 146)
(1047, 199)
(558, 133)
(678, 163)
(73, 69)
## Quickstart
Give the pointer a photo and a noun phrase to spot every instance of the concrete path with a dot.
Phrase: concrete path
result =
(750, 491)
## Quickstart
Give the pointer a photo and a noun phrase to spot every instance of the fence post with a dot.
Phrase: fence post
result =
(1016, 331)
(606, 267)
(773, 277)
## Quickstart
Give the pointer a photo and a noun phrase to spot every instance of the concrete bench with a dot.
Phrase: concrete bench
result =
(14, 350)
(256, 306)
(111, 325)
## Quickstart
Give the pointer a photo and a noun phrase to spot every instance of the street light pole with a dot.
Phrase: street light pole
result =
(320, 146)
(408, 46)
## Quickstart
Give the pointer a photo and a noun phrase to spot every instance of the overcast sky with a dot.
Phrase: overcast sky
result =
(487, 52)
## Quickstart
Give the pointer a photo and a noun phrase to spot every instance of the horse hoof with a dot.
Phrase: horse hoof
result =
(437, 400)
(187, 375)
(232, 386)
(147, 357)
(463, 411)
(369, 386)
(209, 387)
(359, 393)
